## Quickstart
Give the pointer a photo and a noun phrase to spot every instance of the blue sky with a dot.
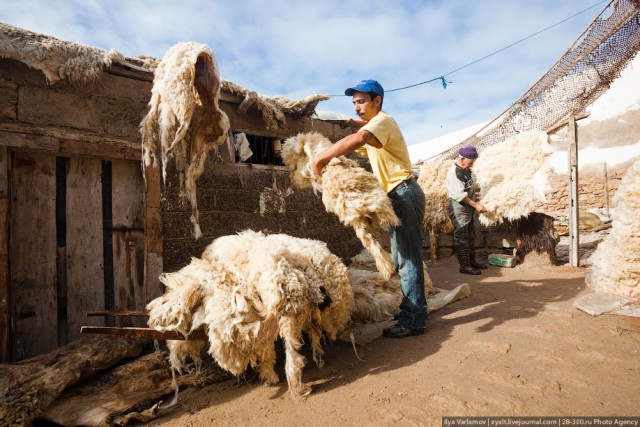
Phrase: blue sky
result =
(298, 48)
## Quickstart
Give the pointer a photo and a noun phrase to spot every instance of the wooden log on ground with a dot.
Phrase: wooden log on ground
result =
(143, 333)
(131, 392)
(30, 386)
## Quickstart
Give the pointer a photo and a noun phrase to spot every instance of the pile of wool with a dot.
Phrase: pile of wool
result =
(513, 176)
(432, 180)
(248, 290)
(184, 120)
(57, 59)
(615, 264)
(274, 110)
(376, 298)
(349, 191)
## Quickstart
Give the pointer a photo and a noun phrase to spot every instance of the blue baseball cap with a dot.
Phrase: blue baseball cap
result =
(366, 86)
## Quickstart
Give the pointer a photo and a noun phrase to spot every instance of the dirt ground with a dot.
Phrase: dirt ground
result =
(515, 347)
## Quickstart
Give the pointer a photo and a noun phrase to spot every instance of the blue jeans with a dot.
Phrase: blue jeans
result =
(406, 251)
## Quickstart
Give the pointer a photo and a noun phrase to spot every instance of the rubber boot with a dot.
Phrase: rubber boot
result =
(465, 262)
(475, 264)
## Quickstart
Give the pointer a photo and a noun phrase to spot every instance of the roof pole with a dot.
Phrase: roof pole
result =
(574, 218)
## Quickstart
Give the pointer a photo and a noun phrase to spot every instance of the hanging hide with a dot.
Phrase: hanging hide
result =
(184, 121)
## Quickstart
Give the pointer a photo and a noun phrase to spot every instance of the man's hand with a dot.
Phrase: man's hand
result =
(346, 145)
(317, 166)
(479, 208)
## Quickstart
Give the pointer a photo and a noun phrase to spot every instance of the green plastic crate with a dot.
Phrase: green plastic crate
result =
(502, 260)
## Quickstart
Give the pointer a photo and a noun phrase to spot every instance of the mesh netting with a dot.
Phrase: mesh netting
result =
(579, 77)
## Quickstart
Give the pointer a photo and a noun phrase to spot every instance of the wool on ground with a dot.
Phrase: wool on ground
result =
(615, 264)
(249, 289)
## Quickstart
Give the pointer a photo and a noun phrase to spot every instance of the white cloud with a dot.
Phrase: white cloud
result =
(294, 49)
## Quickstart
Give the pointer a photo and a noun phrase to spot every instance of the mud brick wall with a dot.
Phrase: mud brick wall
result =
(236, 197)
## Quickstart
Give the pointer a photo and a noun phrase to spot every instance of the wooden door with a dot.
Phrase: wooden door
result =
(76, 244)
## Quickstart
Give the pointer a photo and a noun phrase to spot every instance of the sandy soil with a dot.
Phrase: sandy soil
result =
(515, 347)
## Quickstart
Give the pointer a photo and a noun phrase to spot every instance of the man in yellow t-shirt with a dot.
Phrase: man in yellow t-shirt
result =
(381, 140)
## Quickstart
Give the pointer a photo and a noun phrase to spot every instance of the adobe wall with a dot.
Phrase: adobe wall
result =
(101, 119)
(72, 202)
(235, 196)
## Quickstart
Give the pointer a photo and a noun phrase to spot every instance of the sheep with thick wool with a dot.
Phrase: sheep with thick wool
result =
(615, 264)
(513, 176)
(248, 290)
(184, 120)
(348, 191)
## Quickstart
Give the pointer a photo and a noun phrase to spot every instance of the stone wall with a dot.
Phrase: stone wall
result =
(591, 189)
(501, 238)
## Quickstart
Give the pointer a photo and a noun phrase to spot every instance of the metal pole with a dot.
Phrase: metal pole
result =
(574, 230)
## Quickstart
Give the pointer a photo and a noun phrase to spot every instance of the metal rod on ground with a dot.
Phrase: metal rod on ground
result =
(574, 218)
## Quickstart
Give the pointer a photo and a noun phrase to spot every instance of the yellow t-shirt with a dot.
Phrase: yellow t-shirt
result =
(391, 163)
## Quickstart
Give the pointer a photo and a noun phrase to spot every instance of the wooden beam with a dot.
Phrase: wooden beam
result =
(5, 328)
(131, 71)
(144, 333)
(249, 99)
(581, 115)
(117, 313)
(574, 216)
(60, 142)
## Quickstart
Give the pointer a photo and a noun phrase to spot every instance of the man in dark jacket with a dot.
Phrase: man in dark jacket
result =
(462, 206)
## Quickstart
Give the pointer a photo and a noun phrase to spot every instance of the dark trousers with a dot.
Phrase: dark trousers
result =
(461, 216)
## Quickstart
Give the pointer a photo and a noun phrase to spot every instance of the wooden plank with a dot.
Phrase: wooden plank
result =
(153, 269)
(153, 240)
(65, 143)
(85, 275)
(144, 333)
(582, 115)
(5, 335)
(117, 313)
(128, 273)
(5, 329)
(574, 218)
(128, 195)
(128, 239)
(130, 72)
(32, 249)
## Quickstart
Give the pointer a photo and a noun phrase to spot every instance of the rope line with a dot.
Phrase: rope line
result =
(442, 77)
